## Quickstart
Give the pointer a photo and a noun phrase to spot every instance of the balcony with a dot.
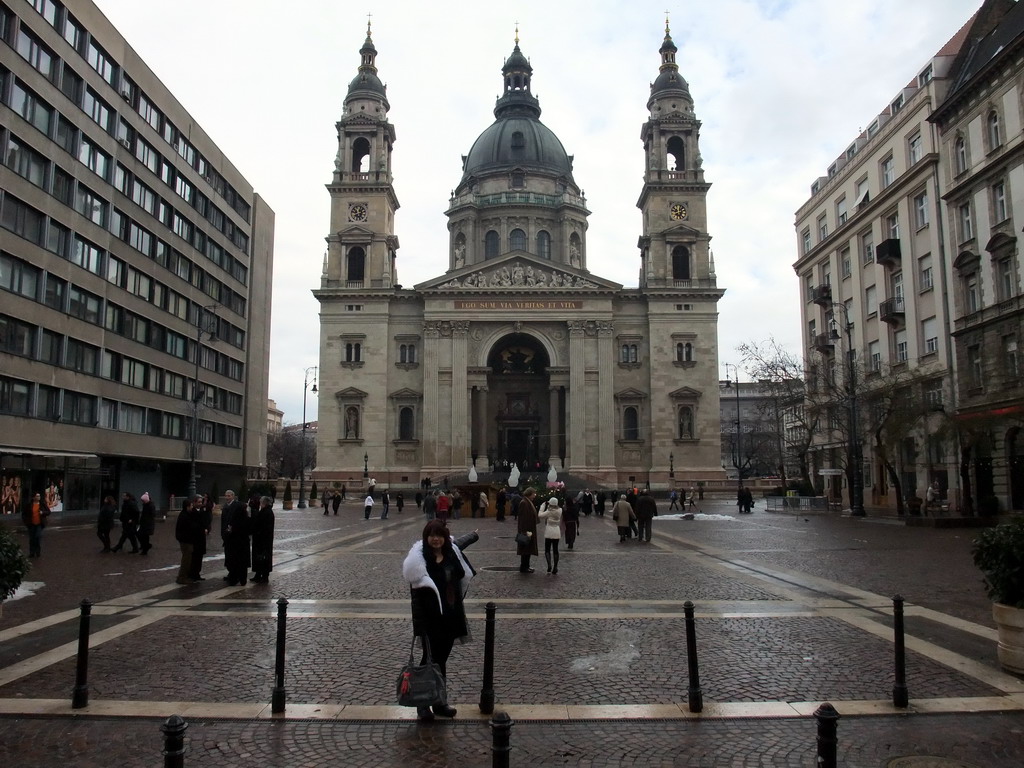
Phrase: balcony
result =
(822, 295)
(888, 253)
(824, 343)
(891, 311)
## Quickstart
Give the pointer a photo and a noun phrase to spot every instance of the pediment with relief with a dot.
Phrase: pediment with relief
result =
(518, 271)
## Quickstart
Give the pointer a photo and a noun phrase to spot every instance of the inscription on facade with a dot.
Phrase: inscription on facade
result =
(503, 305)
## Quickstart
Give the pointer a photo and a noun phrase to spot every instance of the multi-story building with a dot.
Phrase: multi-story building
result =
(517, 351)
(982, 145)
(135, 272)
(753, 423)
(874, 293)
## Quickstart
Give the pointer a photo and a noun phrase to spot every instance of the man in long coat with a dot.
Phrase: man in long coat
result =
(526, 517)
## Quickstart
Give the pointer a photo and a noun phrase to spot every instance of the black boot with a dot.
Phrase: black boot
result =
(424, 714)
(443, 710)
(547, 556)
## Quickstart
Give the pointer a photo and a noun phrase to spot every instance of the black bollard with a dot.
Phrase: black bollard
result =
(693, 693)
(174, 741)
(487, 690)
(80, 696)
(900, 698)
(501, 731)
(277, 698)
(827, 718)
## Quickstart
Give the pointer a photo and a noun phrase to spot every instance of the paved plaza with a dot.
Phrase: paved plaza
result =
(791, 611)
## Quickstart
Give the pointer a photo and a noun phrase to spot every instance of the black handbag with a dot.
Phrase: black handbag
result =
(522, 539)
(421, 685)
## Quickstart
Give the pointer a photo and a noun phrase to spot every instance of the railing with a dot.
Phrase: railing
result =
(891, 309)
(985, 314)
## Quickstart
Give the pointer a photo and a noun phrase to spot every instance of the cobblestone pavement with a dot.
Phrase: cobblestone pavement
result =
(790, 611)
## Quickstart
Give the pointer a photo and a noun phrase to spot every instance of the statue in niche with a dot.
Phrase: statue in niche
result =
(351, 423)
(686, 423)
(574, 256)
(460, 255)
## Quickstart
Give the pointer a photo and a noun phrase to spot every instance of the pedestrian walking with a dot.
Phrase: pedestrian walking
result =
(673, 499)
(147, 524)
(262, 530)
(236, 544)
(526, 518)
(336, 500)
(438, 574)
(551, 515)
(622, 514)
(744, 500)
(399, 501)
(646, 510)
(692, 493)
(571, 520)
(105, 521)
(586, 501)
(600, 500)
(385, 499)
(187, 529)
(444, 502)
(430, 506)
(457, 502)
(328, 495)
(367, 506)
(482, 502)
(34, 517)
(129, 521)
(499, 505)
(343, 492)
(418, 498)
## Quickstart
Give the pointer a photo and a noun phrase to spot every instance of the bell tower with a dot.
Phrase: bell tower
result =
(361, 246)
(675, 245)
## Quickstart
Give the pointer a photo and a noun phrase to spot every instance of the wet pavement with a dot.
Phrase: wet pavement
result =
(791, 611)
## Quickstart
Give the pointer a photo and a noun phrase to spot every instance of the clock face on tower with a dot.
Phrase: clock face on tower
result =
(357, 212)
(678, 211)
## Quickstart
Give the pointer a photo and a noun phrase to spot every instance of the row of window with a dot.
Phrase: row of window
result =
(1010, 364)
(77, 37)
(22, 278)
(629, 353)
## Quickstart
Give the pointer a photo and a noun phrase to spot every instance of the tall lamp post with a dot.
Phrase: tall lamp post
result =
(854, 452)
(738, 462)
(366, 466)
(206, 319)
(310, 373)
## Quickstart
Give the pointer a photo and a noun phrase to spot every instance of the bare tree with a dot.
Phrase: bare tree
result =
(284, 451)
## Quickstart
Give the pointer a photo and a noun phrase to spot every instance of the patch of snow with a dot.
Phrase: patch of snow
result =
(27, 589)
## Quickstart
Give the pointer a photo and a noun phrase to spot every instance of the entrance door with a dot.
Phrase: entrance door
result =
(517, 444)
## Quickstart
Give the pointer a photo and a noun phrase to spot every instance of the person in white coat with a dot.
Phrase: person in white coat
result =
(551, 515)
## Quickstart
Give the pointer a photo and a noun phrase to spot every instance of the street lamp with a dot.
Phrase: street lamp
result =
(738, 462)
(671, 466)
(854, 453)
(302, 453)
(366, 462)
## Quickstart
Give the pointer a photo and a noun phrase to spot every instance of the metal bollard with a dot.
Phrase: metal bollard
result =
(487, 690)
(827, 718)
(693, 693)
(80, 696)
(501, 731)
(174, 741)
(278, 696)
(900, 697)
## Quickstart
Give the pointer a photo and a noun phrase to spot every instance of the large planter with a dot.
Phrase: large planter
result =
(1010, 626)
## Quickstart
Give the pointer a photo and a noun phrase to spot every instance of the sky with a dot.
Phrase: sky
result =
(781, 88)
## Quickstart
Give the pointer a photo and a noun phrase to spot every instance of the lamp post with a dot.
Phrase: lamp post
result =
(206, 318)
(302, 451)
(366, 463)
(738, 462)
(671, 466)
(854, 454)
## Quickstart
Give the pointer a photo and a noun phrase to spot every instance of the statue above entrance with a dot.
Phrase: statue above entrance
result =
(518, 275)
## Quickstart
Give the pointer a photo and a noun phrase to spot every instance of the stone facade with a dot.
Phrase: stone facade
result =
(517, 352)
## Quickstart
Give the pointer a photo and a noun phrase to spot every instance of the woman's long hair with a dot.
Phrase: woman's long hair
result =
(437, 528)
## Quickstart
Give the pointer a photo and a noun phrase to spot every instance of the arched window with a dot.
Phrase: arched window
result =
(491, 244)
(407, 353)
(686, 422)
(677, 153)
(679, 352)
(624, 354)
(687, 352)
(632, 353)
(356, 263)
(994, 137)
(680, 263)
(960, 155)
(360, 155)
(353, 352)
(630, 424)
(517, 240)
(406, 424)
(544, 245)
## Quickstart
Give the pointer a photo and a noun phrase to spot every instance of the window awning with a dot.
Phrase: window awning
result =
(15, 450)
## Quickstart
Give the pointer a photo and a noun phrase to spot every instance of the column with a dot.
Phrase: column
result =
(480, 422)
(431, 342)
(605, 396)
(554, 427)
(460, 395)
(577, 449)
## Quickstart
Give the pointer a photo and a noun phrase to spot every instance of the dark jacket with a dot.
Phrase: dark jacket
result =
(527, 519)
(189, 526)
(227, 513)
(105, 521)
(262, 529)
(147, 518)
(437, 612)
(646, 507)
(236, 538)
(129, 512)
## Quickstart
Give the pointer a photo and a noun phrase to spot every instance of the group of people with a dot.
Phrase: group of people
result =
(247, 532)
(744, 500)
(442, 505)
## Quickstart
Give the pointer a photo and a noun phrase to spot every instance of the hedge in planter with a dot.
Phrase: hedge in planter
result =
(999, 554)
(13, 564)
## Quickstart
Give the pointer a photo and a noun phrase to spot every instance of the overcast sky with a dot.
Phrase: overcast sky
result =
(781, 87)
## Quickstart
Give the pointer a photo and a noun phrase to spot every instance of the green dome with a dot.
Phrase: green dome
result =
(517, 141)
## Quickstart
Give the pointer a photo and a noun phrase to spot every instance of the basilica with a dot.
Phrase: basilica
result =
(517, 352)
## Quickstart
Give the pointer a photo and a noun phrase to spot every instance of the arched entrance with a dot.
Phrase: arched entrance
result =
(519, 393)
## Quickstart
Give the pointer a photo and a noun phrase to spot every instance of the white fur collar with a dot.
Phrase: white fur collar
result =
(414, 570)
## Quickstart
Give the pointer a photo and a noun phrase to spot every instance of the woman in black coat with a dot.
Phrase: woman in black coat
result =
(129, 521)
(236, 545)
(147, 523)
(438, 575)
(105, 521)
(262, 529)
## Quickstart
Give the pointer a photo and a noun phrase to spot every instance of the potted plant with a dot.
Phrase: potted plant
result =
(287, 498)
(999, 554)
(13, 565)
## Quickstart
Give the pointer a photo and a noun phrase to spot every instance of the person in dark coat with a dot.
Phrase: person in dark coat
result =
(499, 505)
(204, 506)
(438, 574)
(232, 506)
(147, 524)
(419, 499)
(646, 509)
(129, 523)
(601, 498)
(571, 518)
(236, 544)
(262, 530)
(336, 501)
(526, 516)
(34, 516)
(399, 501)
(105, 521)
(187, 529)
